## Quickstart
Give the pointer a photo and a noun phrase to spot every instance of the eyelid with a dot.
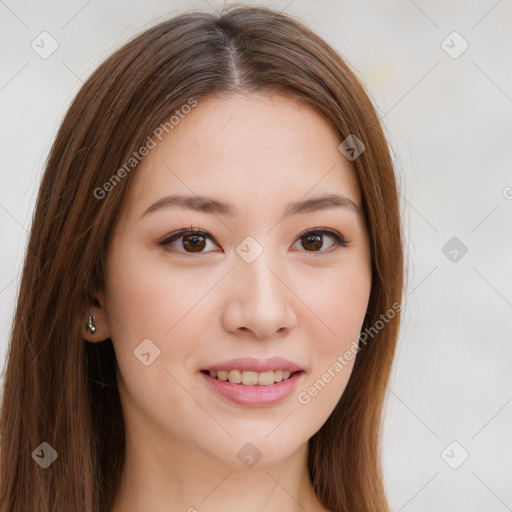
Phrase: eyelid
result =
(332, 232)
(190, 230)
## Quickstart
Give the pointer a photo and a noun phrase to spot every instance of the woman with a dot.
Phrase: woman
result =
(211, 293)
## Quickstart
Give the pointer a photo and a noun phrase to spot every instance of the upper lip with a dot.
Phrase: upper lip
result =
(256, 365)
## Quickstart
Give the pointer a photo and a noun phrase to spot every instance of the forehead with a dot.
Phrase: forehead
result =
(268, 148)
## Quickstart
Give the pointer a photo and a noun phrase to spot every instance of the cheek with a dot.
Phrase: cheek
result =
(151, 313)
(340, 302)
(148, 301)
(149, 295)
(341, 308)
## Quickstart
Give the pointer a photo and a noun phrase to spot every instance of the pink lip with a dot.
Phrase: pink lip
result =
(256, 365)
(254, 396)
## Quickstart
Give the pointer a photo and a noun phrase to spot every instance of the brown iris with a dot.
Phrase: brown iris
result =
(194, 242)
(313, 240)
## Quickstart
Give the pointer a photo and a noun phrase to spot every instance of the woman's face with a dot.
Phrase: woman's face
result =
(265, 290)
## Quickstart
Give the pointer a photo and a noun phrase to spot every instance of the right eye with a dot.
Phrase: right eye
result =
(193, 241)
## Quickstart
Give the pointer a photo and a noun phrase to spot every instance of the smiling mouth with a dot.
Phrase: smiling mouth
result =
(250, 378)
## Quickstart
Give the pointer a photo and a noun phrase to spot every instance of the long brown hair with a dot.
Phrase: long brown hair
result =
(61, 390)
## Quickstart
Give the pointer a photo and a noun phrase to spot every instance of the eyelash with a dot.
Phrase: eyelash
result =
(338, 239)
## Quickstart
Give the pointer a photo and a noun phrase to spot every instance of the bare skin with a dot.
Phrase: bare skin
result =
(297, 300)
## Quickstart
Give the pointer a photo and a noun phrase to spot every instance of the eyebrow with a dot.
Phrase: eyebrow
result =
(209, 205)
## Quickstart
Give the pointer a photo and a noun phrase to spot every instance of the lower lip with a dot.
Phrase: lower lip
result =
(254, 396)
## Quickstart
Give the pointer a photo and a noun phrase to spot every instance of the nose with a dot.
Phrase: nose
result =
(260, 301)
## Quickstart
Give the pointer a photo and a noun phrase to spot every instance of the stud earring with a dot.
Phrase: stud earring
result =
(90, 325)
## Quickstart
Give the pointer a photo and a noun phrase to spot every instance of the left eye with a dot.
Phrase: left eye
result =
(314, 239)
(195, 241)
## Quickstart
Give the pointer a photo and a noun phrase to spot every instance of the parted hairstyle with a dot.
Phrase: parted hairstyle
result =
(62, 390)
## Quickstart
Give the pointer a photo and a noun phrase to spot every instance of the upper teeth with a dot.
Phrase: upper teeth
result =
(251, 378)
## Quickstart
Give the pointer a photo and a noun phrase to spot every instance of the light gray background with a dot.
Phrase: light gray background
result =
(449, 121)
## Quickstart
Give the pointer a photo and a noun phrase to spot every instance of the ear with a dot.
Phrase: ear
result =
(96, 309)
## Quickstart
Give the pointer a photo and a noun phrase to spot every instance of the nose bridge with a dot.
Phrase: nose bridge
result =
(260, 279)
(260, 297)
